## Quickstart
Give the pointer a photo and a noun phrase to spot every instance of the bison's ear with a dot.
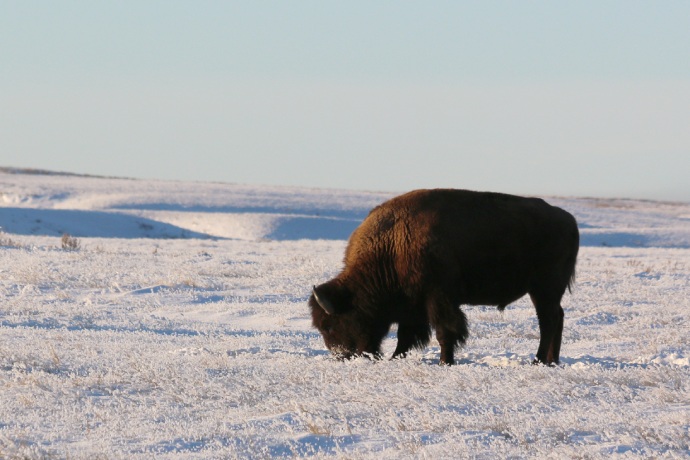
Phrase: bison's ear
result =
(332, 297)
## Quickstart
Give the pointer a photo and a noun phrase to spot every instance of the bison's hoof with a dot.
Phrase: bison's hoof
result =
(539, 361)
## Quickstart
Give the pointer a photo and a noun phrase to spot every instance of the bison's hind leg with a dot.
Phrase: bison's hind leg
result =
(550, 315)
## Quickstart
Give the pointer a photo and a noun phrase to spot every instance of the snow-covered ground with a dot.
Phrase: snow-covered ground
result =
(179, 329)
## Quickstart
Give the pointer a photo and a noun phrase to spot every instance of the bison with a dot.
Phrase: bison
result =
(417, 258)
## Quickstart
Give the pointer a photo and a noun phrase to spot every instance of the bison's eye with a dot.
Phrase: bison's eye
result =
(327, 328)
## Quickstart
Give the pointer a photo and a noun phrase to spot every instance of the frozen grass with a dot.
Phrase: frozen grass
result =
(202, 348)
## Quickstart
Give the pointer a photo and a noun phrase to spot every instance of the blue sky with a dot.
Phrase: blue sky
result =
(552, 98)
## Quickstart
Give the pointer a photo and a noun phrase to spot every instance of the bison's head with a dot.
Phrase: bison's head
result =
(340, 324)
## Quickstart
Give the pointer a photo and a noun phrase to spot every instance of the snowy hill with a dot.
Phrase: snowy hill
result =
(124, 208)
(52, 204)
(179, 329)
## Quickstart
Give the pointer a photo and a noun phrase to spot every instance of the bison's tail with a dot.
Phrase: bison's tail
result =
(571, 281)
(572, 262)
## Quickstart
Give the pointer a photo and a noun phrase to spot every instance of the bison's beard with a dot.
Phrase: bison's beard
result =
(341, 353)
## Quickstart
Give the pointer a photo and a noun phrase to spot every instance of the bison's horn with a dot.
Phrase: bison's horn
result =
(323, 303)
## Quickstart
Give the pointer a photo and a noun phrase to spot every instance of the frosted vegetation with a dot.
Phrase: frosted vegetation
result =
(172, 323)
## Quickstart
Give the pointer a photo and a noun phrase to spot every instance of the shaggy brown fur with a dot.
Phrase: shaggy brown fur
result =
(420, 256)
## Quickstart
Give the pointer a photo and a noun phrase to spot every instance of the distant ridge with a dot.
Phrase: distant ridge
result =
(45, 172)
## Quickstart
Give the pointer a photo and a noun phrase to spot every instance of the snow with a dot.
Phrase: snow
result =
(179, 329)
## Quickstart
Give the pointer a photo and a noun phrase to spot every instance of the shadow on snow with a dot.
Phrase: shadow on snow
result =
(97, 224)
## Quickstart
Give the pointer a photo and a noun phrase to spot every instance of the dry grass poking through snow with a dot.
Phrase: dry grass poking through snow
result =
(136, 346)
(203, 349)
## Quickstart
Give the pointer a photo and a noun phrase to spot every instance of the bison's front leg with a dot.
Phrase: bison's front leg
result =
(450, 323)
(401, 350)
(448, 340)
(412, 334)
(369, 343)
(405, 344)
(369, 349)
(452, 337)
